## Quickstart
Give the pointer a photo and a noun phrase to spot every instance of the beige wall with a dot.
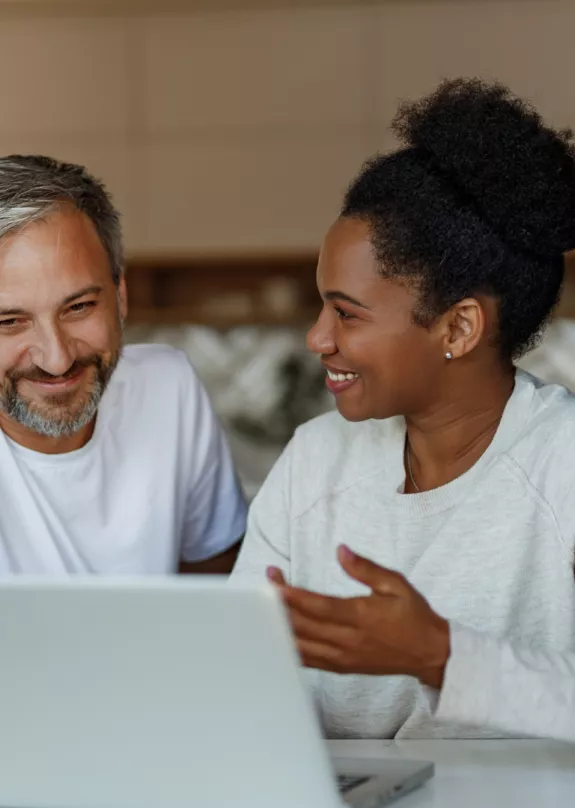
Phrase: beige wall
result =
(239, 130)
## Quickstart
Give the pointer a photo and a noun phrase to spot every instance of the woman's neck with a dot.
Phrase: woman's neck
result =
(449, 439)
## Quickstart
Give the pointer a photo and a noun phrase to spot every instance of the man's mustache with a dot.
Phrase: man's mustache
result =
(36, 374)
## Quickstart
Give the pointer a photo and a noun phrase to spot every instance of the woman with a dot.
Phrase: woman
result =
(444, 466)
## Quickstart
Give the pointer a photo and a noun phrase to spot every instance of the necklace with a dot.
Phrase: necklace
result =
(409, 469)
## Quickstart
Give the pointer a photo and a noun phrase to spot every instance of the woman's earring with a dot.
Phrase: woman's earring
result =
(449, 355)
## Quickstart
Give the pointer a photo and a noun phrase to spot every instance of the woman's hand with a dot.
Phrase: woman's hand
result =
(393, 630)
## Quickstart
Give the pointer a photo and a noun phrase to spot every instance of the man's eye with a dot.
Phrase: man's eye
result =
(78, 307)
(8, 324)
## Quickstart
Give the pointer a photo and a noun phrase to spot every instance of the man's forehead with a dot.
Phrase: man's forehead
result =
(65, 230)
(51, 260)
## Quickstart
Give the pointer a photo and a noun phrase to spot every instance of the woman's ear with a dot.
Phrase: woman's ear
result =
(464, 327)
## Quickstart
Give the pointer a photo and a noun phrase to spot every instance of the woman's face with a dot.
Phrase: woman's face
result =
(379, 363)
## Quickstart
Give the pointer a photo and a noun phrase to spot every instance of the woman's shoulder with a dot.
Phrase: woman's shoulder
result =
(550, 425)
(334, 429)
(544, 449)
(340, 452)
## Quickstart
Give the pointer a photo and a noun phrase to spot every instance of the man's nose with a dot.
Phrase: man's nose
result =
(52, 352)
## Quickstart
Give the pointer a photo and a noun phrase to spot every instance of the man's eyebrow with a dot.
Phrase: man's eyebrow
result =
(11, 312)
(87, 290)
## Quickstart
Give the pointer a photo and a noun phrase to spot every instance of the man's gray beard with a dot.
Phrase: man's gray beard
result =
(19, 410)
(63, 426)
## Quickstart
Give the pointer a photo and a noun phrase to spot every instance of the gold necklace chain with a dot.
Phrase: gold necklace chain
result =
(409, 469)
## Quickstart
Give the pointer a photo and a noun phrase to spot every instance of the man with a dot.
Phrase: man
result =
(111, 461)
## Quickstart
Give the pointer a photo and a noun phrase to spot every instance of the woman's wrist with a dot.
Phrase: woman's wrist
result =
(439, 652)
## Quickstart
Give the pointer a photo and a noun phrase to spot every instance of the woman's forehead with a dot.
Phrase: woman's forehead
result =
(347, 251)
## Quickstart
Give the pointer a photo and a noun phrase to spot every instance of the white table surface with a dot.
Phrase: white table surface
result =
(480, 774)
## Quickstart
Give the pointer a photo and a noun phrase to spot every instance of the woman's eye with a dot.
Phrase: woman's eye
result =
(343, 315)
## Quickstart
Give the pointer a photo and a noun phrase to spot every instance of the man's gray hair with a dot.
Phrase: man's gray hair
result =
(32, 187)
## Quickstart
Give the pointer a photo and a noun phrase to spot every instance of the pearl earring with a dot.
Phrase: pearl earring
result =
(449, 355)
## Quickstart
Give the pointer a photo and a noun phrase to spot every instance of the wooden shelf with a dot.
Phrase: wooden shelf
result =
(193, 316)
(228, 291)
(223, 291)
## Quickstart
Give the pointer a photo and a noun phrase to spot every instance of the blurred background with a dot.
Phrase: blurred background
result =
(227, 133)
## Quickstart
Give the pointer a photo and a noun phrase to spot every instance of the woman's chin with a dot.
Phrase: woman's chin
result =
(352, 412)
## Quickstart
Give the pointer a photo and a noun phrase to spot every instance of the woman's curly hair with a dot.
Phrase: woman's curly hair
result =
(481, 199)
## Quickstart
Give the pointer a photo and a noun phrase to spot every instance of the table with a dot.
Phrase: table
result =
(480, 774)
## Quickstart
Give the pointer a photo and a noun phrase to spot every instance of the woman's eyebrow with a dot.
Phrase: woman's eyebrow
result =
(335, 295)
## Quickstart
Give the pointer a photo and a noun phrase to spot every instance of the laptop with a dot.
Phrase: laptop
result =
(163, 692)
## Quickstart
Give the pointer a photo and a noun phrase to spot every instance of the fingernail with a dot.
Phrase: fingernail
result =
(345, 553)
(272, 573)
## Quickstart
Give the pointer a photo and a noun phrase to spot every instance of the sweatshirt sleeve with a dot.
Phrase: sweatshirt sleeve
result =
(511, 688)
(267, 539)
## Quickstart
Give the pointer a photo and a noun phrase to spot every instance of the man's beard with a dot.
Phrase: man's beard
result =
(55, 418)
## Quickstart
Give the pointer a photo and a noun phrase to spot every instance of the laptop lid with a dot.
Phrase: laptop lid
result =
(153, 692)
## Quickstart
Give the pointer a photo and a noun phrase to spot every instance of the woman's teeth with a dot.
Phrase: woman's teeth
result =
(342, 377)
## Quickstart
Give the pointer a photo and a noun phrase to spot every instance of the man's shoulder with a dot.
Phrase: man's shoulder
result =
(145, 357)
(156, 365)
(155, 382)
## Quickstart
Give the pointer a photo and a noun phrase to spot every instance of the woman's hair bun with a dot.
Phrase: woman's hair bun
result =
(495, 150)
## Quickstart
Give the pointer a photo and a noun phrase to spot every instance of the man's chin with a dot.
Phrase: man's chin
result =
(49, 425)
(56, 416)
(52, 418)
(57, 406)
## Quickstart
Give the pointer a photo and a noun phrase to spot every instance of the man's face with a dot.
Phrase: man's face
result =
(60, 324)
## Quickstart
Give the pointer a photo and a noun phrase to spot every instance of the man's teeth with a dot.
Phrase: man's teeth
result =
(342, 377)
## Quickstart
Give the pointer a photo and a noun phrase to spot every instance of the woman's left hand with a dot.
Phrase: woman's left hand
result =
(393, 630)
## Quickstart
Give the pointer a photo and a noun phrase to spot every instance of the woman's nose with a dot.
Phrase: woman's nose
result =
(320, 339)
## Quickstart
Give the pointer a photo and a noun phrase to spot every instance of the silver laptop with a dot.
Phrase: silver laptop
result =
(163, 693)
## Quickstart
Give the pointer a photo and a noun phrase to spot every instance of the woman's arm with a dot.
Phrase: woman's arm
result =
(473, 679)
(512, 688)
(267, 539)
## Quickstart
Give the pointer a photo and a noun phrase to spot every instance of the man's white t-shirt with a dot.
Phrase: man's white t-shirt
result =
(153, 486)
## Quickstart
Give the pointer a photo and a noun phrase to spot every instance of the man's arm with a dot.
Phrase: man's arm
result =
(221, 564)
(215, 508)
